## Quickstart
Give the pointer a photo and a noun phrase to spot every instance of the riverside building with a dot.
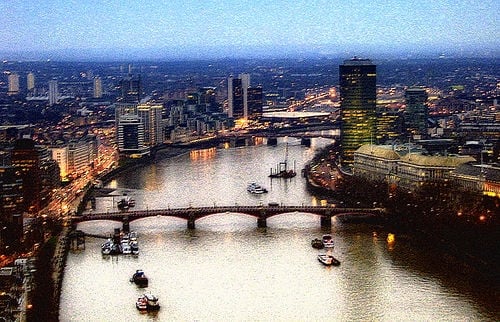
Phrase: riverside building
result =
(358, 102)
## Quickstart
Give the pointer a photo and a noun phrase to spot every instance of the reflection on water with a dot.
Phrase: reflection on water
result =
(230, 270)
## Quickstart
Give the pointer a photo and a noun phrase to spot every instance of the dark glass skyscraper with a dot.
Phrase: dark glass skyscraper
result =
(358, 97)
(416, 112)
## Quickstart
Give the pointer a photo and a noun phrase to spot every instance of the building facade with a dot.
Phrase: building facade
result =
(358, 101)
(416, 112)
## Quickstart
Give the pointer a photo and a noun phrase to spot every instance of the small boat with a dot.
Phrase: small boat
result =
(151, 301)
(141, 304)
(328, 260)
(107, 247)
(327, 240)
(256, 188)
(126, 249)
(139, 278)
(134, 247)
(317, 243)
(132, 235)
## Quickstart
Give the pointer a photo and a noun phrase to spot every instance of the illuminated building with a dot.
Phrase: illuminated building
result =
(255, 102)
(130, 136)
(357, 78)
(237, 96)
(150, 116)
(403, 167)
(416, 112)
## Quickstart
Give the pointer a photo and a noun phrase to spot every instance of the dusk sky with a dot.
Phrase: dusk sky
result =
(227, 27)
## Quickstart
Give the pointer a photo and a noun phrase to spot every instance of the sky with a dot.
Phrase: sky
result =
(228, 28)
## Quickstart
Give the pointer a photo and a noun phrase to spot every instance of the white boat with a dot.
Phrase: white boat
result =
(328, 260)
(107, 247)
(327, 240)
(134, 247)
(151, 301)
(126, 249)
(132, 235)
(256, 188)
(141, 304)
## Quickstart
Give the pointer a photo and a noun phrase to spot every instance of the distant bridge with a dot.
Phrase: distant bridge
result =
(262, 213)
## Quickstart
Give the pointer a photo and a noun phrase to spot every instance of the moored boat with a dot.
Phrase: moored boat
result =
(140, 278)
(327, 240)
(141, 304)
(317, 243)
(151, 302)
(328, 260)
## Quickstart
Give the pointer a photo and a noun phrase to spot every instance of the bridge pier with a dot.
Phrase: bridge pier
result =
(261, 222)
(126, 225)
(326, 221)
(191, 222)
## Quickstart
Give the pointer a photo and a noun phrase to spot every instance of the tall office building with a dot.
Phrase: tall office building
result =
(97, 87)
(130, 136)
(53, 92)
(416, 112)
(13, 80)
(255, 101)
(30, 82)
(358, 99)
(237, 96)
(131, 89)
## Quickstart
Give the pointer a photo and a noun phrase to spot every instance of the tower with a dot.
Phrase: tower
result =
(30, 82)
(358, 102)
(13, 80)
(237, 96)
(97, 87)
(416, 112)
(53, 92)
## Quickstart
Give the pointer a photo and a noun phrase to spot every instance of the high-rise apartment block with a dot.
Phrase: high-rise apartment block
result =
(53, 92)
(358, 97)
(97, 87)
(150, 116)
(30, 82)
(13, 81)
(416, 112)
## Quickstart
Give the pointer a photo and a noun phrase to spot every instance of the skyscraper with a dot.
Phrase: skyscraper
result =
(53, 92)
(97, 87)
(416, 112)
(358, 99)
(237, 96)
(30, 82)
(150, 116)
(13, 80)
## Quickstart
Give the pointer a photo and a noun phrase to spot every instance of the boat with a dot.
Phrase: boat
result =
(282, 170)
(107, 247)
(139, 278)
(150, 301)
(141, 304)
(125, 203)
(126, 249)
(256, 188)
(317, 243)
(327, 240)
(134, 247)
(328, 260)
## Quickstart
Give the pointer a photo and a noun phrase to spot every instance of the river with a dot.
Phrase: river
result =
(228, 269)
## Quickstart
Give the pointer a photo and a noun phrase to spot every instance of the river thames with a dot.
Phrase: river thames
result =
(228, 269)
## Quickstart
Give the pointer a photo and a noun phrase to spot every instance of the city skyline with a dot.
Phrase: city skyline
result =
(99, 30)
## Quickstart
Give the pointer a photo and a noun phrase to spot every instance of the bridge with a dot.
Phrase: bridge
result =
(262, 213)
